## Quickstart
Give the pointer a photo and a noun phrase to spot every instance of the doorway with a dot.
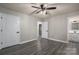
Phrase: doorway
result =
(42, 29)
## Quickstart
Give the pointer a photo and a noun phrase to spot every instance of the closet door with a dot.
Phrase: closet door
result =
(11, 30)
(0, 30)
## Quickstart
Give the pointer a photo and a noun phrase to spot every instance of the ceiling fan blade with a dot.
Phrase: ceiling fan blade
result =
(35, 7)
(42, 6)
(51, 8)
(34, 11)
(38, 11)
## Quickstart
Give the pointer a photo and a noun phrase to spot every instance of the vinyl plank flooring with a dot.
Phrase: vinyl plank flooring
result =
(36, 47)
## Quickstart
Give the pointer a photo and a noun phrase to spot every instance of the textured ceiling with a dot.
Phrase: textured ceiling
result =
(26, 8)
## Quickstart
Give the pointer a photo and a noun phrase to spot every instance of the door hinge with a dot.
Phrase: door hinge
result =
(1, 17)
(1, 43)
(1, 30)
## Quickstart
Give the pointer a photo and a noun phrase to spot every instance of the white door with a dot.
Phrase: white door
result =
(44, 29)
(0, 31)
(11, 30)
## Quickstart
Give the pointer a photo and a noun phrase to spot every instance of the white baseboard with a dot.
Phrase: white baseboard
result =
(27, 41)
(0, 48)
(58, 40)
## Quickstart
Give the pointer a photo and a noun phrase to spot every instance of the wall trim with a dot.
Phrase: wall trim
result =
(22, 42)
(27, 41)
(58, 40)
(0, 48)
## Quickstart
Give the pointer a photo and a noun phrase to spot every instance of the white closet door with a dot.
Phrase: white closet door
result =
(44, 29)
(0, 31)
(11, 30)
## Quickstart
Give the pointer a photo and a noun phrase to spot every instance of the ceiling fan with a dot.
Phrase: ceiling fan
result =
(42, 9)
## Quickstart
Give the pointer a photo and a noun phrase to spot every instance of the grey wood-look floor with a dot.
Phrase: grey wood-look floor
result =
(72, 48)
(42, 47)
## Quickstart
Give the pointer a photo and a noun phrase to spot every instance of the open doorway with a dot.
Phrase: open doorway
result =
(42, 29)
(39, 29)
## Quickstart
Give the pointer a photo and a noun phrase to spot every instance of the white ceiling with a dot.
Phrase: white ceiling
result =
(26, 8)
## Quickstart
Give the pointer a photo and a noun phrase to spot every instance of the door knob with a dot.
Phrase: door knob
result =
(17, 32)
(47, 30)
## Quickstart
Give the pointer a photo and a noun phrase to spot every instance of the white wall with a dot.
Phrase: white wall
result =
(28, 24)
(58, 26)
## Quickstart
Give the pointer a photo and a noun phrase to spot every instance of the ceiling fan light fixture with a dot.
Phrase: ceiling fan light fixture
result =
(43, 9)
(41, 12)
(44, 12)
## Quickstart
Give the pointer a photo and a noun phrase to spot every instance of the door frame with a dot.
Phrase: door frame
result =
(39, 22)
